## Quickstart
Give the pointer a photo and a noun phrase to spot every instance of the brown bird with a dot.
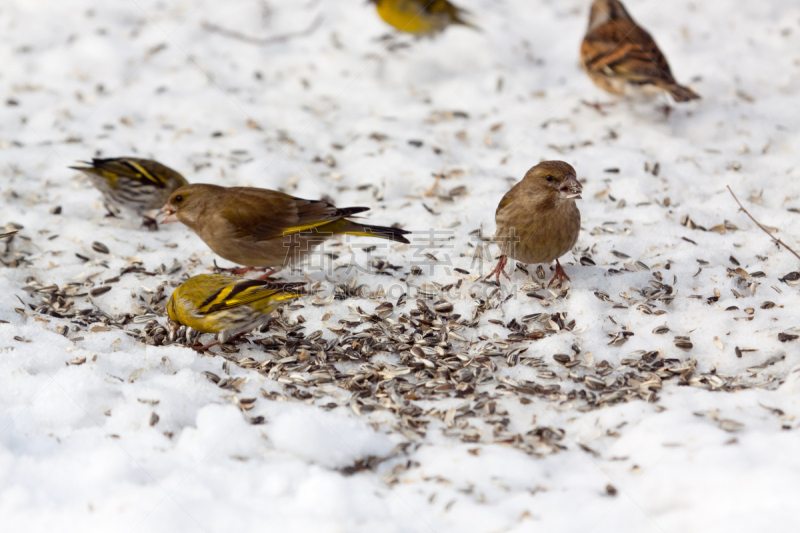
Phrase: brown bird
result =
(537, 220)
(618, 54)
(264, 228)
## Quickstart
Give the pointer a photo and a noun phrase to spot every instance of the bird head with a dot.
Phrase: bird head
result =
(188, 203)
(554, 182)
(604, 11)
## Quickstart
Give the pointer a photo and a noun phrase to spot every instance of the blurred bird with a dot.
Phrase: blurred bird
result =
(132, 184)
(420, 17)
(264, 228)
(618, 54)
(537, 220)
(227, 305)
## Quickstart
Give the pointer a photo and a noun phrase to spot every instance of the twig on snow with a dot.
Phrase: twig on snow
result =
(233, 34)
(774, 238)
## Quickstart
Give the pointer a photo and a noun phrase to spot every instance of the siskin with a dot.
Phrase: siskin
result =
(420, 17)
(264, 228)
(132, 184)
(537, 220)
(618, 54)
(227, 305)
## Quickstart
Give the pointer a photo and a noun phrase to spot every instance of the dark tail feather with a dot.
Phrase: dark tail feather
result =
(382, 232)
(681, 93)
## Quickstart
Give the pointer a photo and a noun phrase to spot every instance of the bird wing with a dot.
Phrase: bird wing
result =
(506, 201)
(626, 49)
(245, 292)
(263, 214)
(437, 7)
(145, 170)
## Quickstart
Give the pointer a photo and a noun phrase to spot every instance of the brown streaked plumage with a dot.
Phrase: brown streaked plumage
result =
(537, 220)
(131, 183)
(618, 54)
(264, 228)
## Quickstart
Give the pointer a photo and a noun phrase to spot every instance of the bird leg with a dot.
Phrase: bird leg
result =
(205, 347)
(109, 212)
(666, 109)
(598, 106)
(560, 276)
(267, 274)
(241, 271)
(149, 223)
(501, 265)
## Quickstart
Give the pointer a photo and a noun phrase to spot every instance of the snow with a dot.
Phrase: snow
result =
(79, 448)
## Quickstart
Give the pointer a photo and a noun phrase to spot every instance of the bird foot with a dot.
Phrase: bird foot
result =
(150, 223)
(201, 348)
(666, 109)
(500, 268)
(598, 106)
(559, 277)
(267, 274)
(241, 271)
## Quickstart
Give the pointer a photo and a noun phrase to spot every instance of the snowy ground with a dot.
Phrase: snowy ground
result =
(672, 403)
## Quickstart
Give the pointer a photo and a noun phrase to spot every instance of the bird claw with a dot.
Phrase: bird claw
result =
(150, 223)
(499, 268)
(202, 348)
(241, 271)
(560, 276)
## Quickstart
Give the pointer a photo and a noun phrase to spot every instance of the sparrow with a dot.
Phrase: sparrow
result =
(618, 54)
(537, 220)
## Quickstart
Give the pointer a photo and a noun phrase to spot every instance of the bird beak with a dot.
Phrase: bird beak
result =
(571, 188)
(170, 213)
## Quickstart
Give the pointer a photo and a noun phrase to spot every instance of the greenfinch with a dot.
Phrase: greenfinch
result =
(618, 54)
(263, 228)
(132, 184)
(227, 305)
(420, 17)
(537, 220)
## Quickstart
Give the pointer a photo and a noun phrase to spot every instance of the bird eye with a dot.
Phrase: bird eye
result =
(178, 199)
(550, 178)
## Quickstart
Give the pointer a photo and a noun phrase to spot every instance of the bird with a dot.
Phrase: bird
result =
(261, 228)
(420, 17)
(537, 220)
(618, 54)
(132, 184)
(227, 305)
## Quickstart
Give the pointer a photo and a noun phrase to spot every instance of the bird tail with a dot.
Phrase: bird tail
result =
(457, 19)
(382, 232)
(680, 93)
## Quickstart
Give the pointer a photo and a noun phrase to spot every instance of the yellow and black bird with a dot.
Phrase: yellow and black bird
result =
(132, 184)
(421, 17)
(227, 305)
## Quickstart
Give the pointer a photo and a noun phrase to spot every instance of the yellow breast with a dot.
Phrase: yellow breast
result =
(406, 20)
